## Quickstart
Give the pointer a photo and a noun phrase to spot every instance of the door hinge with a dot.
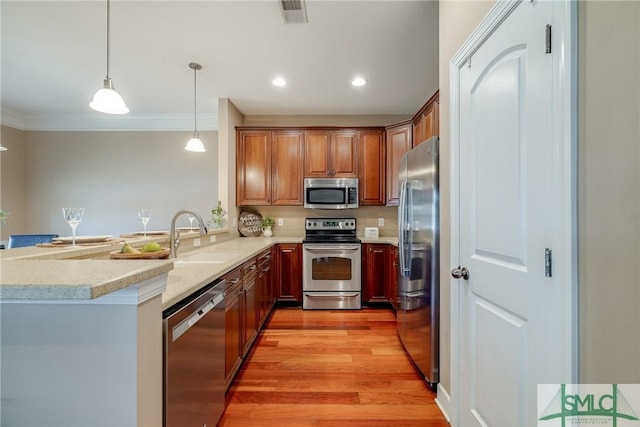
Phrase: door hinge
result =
(547, 262)
(547, 37)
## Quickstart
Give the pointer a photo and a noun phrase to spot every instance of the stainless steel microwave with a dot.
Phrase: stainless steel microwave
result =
(331, 193)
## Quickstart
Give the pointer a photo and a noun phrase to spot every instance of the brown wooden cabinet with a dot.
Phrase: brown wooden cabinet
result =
(330, 153)
(249, 305)
(264, 285)
(253, 168)
(288, 263)
(398, 143)
(374, 276)
(426, 123)
(269, 167)
(287, 177)
(393, 265)
(371, 167)
(233, 319)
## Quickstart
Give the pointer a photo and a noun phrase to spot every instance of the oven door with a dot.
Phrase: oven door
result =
(331, 267)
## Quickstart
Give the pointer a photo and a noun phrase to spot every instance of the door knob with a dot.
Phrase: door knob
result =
(459, 272)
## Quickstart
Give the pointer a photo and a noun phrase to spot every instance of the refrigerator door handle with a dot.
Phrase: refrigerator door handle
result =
(402, 209)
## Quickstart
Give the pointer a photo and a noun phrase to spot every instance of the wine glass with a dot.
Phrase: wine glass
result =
(73, 216)
(145, 216)
(191, 218)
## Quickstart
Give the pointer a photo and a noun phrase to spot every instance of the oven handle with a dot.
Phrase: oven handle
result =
(330, 248)
(331, 295)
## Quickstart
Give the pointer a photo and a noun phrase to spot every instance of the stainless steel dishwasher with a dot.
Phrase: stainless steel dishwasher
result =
(194, 344)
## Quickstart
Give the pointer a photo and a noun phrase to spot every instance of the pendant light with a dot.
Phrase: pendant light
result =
(2, 148)
(195, 144)
(107, 100)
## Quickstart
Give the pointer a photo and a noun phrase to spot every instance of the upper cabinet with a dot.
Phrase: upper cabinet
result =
(273, 162)
(426, 123)
(287, 179)
(371, 167)
(268, 168)
(398, 143)
(330, 153)
(253, 167)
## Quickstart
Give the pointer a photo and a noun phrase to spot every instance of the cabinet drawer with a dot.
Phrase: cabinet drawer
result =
(248, 268)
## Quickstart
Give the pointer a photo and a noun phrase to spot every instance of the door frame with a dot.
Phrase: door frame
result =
(565, 103)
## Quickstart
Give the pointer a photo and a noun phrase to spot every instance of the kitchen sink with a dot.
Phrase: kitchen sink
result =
(209, 258)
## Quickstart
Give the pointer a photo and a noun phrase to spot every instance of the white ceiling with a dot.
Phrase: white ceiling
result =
(54, 59)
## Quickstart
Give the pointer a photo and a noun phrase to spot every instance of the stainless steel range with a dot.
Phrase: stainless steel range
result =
(331, 264)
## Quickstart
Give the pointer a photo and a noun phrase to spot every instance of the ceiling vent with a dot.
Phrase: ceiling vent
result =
(293, 11)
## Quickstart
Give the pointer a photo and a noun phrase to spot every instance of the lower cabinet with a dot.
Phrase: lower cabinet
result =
(289, 272)
(249, 298)
(374, 276)
(249, 305)
(380, 274)
(265, 286)
(393, 266)
(233, 318)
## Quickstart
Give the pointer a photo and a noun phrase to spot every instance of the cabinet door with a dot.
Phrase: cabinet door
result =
(371, 161)
(374, 273)
(329, 153)
(427, 123)
(253, 167)
(289, 272)
(287, 154)
(250, 309)
(317, 153)
(391, 290)
(233, 324)
(344, 154)
(264, 284)
(418, 130)
(397, 144)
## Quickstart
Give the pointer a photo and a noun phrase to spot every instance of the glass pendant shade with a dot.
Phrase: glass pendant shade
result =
(195, 144)
(3, 148)
(107, 100)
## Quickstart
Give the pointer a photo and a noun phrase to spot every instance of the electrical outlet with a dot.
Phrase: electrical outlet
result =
(280, 222)
(380, 222)
(196, 243)
(212, 239)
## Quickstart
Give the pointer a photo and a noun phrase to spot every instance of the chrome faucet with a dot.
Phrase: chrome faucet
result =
(175, 234)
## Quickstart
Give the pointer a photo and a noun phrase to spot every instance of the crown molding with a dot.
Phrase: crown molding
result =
(105, 122)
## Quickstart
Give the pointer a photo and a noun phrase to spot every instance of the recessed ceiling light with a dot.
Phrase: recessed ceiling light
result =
(278, 81)
(358, 81)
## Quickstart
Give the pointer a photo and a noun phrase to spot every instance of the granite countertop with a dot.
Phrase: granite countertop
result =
(73, 279)
(50, 273)
(187, 278)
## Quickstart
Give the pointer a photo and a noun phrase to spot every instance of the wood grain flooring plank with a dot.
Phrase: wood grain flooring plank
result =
(330, 368)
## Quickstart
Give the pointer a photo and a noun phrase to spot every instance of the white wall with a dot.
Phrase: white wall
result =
(609, 191)
(458, 19)
(112, 175)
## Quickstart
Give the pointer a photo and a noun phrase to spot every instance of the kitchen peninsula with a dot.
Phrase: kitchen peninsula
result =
(82, 334)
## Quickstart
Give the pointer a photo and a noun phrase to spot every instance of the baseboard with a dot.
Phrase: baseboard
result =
(443, 400)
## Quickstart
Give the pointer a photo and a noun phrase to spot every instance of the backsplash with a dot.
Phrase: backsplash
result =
(294, 217)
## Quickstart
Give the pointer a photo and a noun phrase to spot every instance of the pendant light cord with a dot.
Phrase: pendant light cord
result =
(108, 34)
(195, 97)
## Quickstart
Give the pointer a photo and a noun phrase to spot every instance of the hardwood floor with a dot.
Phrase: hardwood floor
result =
(328, 369)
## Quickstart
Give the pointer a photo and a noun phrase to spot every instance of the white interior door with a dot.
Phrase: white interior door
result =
(513, 331)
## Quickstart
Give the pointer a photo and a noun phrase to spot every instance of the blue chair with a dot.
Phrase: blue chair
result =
(22, 240)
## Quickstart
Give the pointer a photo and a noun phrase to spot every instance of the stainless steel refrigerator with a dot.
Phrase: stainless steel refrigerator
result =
(418, 244)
